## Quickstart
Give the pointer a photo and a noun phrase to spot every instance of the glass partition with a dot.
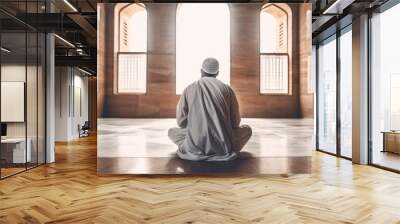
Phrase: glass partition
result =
(31, 99)
(385, 89)
(14, 153)
(22, 88)
(346, 93)
(327, 96)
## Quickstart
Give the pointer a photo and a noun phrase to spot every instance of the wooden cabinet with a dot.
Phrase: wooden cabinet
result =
(391, 142)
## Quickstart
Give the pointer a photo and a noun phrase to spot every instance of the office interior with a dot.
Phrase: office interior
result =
(51, 86)
(32, 119)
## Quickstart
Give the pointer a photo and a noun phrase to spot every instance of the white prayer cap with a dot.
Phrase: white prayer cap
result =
(210, 66)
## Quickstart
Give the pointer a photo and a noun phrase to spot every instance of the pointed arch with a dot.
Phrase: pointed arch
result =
(275, 48)
(131, 48)
(198, 37)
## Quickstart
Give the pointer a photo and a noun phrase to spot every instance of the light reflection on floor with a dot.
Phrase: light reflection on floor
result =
(148, 138)
(386, 159)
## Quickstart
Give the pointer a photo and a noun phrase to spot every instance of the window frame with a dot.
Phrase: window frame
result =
(371, 50)
(287, 53)
(334, 36)
(118, 52)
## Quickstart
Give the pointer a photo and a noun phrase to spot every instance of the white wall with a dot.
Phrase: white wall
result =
(70, 83)
(62, 81)
(33, 126)
(13, 100)
(15, 73)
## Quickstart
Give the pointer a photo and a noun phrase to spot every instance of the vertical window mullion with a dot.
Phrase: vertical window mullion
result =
(338, 76)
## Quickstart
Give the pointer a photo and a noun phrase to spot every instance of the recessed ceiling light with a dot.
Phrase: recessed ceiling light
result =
(84, 71)
(64, 40)
(70, 5)
(337, 7)
(5, 50)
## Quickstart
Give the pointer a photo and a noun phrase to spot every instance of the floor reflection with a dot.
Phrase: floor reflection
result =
(148, 137)
(175, 165)
(386, 159)
(141, 146)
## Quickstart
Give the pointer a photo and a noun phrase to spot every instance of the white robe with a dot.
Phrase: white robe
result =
(209, 111)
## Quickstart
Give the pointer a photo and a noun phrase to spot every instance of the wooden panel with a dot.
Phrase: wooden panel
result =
(160, 99)
(92, 107)
(392, 142)
(246, 67)
(306, 98)
(101, 55)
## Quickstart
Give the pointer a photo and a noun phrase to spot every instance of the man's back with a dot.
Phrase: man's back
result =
(208, 109)
(208, 118)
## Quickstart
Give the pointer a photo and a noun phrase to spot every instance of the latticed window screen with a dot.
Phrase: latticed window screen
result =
(274, 73)
(282, 39)
(132, 73)
(125, 33)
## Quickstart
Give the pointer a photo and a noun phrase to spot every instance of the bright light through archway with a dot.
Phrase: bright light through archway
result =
(202, 30)
(268, 33)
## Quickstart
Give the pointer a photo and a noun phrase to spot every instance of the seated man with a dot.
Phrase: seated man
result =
(208, 118)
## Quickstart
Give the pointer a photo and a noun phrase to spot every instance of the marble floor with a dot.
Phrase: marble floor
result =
(148, 138)
(141, 146)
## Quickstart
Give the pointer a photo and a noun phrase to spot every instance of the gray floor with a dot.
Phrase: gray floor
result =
(141, 146)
